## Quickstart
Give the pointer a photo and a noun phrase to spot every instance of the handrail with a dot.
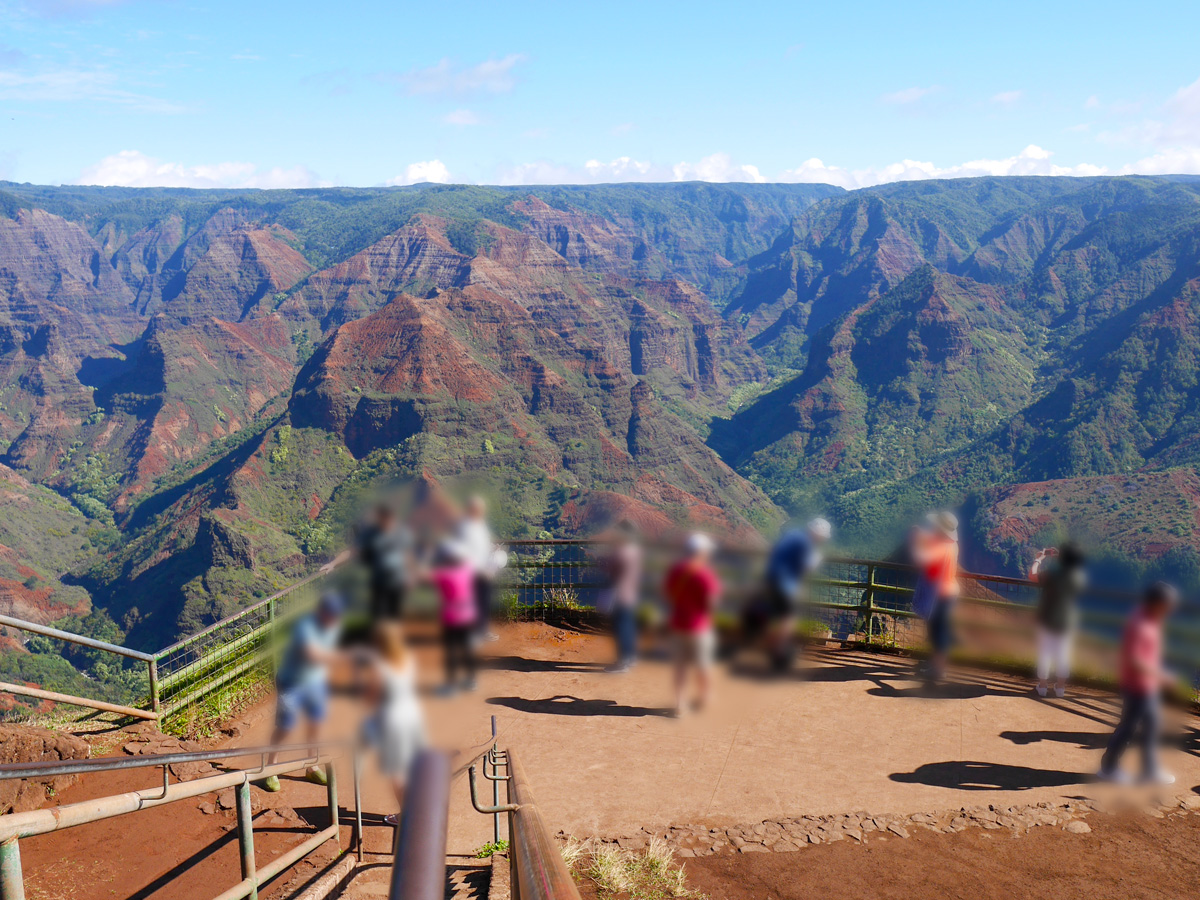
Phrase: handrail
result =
(538, 867)
(419, 867)
(47, 631)
(116, 763)
(15, 826)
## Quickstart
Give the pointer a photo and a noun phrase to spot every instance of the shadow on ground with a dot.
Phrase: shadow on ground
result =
(985, 776)
(565, 705)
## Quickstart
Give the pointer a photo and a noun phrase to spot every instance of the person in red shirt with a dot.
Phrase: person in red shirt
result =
(934, 550)
(1142, 678)
(692, 589)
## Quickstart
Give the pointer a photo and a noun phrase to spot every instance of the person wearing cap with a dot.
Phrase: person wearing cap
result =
(692, 589)
(795, 556)
(1061, 579)
(934, 549)
(302, 681)
(1142, 679)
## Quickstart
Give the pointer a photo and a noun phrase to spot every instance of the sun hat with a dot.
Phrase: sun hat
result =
(699, 543)
(945, 522)
(820, 529)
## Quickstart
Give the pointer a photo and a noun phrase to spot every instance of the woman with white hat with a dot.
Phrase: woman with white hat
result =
(934, 548)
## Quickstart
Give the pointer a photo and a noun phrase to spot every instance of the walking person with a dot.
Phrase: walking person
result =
(623, 571)
(453, 577)
(302, 682)
(692, 589)
(397, 727)
(934, 549)
(1142, 679)
(1061, 579)
(795, 556)
(485, 558)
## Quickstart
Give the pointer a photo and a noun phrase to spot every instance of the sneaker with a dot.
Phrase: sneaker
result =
(491, 636)
(1060, 692)
(1160, 777)
(617, 668)
(316, 776)
(1041, 690)
(271, 784)
(447, 690)
(1116, 776)
(470, 685)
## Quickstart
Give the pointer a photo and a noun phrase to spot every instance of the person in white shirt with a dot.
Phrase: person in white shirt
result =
(475, 539)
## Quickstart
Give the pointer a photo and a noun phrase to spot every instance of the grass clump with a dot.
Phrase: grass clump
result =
(647, 874)
(490, 848)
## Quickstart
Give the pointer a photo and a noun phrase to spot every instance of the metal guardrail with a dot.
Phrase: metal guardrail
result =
(16, 826)
(419, 852)
(537, 867)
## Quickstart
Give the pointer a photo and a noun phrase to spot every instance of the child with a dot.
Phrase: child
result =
(1142, 678)
(454, 579)
(398, 726)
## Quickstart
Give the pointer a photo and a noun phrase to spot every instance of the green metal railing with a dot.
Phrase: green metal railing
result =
(870, 599)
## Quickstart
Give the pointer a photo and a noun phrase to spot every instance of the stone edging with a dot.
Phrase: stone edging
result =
(791, 834)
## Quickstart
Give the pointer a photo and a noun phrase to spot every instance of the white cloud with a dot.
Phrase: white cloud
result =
(1033, 160)
(909, 95)
(129, 168)
(718, 167)
(1092, 102)
(432, 170)
(492, 76)
(70, 85)
(461, 117)
(1177, 161)
(1007, 98)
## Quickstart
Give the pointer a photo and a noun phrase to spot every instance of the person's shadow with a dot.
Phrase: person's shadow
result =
(984, 776)
(565, 705)
(1084, 740)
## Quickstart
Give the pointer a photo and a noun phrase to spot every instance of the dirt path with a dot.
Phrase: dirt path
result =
(848, 731)
(1131, 856)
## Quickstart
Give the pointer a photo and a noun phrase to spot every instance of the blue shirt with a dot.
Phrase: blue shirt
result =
(297, 668)
(792, 558)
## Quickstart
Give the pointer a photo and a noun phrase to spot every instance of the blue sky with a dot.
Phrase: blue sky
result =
(264, 93)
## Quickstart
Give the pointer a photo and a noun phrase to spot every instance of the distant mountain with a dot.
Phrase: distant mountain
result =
(198, 387)
(957, 336)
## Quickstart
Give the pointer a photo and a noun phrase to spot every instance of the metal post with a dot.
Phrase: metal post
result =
(358, 834)
(12, 882)
(272, 639)
(495, 792)
(245, 824)
(869, 603)
(153, 666)
(331, 777)
(514, 890)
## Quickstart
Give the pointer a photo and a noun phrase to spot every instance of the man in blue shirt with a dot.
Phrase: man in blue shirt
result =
(302, 683)
(795, 556)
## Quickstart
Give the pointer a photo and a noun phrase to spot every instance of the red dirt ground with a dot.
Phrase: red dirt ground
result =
(1131, 856)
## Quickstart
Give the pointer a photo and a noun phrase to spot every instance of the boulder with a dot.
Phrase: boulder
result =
(26, 744)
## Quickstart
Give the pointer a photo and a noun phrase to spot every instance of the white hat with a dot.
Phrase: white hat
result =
(820, 529)
(946, 522)
(699, 543)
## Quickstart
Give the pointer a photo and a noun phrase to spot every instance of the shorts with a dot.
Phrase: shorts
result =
(310, 698)
(698, 649)
(941, 627)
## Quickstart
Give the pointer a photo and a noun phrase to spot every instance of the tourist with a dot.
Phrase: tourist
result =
(795, 556)
(934, 549)
(1061, 579)
(302, 682)
(454, 578)
(397, 728)
(623, 577)
(1142, 678)
(692, 589)
(385, 546)
(485, 559)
